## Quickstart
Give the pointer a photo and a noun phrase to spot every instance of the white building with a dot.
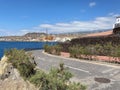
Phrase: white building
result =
(117, 23)
(65, 39)
(62, 39)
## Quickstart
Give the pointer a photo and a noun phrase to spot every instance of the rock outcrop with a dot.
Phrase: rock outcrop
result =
(116, 30)
(5, 68)
(10, 78)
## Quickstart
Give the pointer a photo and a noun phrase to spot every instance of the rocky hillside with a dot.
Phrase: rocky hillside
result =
(10, 78)
(34, 35)
(102, 38)
(106, 33)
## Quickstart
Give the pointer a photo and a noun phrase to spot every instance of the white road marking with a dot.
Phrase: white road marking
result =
(109, 70)
(77, 69)
(114, 73)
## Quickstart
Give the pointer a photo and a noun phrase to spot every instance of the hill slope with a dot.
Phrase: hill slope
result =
(106, 33)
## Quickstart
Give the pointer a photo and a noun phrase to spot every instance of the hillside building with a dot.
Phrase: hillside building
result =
(116, 29)
(117, 23)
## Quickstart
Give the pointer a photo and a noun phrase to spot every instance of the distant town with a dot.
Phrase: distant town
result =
(36, 36)
(40, 37)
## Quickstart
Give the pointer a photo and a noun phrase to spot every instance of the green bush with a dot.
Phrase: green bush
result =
(39, 78)
(26, 70)
(77, 51)
(46, 48)
(21, 60)
(74, 51)
(56, 79)
(76, 86)
(56, 49)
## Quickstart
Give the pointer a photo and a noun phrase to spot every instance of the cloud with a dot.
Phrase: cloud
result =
(113, 14)
(92, 4)
(14, 33)
(98, 23)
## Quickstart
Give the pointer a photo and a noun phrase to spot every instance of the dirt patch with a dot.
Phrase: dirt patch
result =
(100, 34)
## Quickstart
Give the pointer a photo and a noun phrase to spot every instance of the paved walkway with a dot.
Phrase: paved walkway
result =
(83, 71)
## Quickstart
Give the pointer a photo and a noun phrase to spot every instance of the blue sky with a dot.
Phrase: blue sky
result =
(18, 17)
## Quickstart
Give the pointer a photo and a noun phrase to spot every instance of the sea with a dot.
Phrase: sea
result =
(6, 45)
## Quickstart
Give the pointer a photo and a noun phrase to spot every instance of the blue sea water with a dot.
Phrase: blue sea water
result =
(5, 45)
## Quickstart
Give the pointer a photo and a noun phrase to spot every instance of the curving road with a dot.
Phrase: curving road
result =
(84, 71)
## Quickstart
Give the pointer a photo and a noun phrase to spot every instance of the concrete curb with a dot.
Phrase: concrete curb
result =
(85, 61)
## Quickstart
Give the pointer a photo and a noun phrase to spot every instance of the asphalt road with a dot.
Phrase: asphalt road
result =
(83, 71)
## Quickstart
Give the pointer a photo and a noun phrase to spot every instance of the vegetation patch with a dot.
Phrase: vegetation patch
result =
(90, 51)
(114, 39)
(107, 52)
(21, 61)
(56, 49)
(55, 79)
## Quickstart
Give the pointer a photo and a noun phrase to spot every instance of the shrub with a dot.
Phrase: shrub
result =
(56, 49)
(56, 79)
(46, 48)
(39, 78)
(108, 49)
(86, 52)
(21, 60)
(76, 86)
(73, 51)
(26, 70)
(77, 51)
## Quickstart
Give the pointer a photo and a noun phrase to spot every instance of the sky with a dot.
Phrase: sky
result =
(18, 17)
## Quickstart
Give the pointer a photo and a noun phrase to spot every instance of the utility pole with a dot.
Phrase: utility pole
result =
(46, 35)
(46, 31)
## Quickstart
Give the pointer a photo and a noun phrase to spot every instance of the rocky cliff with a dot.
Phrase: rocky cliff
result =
(10, 78)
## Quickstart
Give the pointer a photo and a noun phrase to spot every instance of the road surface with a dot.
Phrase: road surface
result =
(83, 71)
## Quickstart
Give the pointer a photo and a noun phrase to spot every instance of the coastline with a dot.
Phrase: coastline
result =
(6, 45)
(26, 41)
